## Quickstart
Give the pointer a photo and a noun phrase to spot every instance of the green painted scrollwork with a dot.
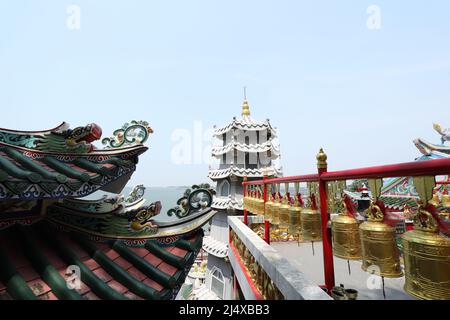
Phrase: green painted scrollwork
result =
(133, 133)
(199, 197)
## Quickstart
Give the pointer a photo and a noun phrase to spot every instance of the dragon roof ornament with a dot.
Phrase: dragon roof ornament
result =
(79, 140)
(434, 150)
(445, 133)
(108, 218)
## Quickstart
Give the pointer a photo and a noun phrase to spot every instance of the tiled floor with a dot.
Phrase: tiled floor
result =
(312, 266)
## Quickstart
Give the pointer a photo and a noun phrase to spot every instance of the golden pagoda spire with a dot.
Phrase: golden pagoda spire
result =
(245, 106)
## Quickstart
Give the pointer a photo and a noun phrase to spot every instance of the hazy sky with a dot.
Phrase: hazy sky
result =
(313, 67)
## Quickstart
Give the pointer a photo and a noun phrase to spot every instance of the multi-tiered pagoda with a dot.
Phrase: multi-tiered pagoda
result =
(246, 148)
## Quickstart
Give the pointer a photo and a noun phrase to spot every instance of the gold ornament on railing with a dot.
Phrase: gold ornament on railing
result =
(295, 212)
(284, 209)
(345, 230)
(379, 246)
(426, 251)
(260, 278)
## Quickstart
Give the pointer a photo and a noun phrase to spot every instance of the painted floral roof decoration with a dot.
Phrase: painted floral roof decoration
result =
(135, 132)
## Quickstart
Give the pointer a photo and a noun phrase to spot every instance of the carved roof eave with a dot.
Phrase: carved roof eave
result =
(427, 148)
(73, 220)
(61, 175)
(253, 148)
(135, 150)
(224, 203)
(242, 172)
(247, 124)
(63, 126)
(215, 247)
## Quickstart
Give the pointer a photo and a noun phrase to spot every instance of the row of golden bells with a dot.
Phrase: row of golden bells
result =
(287, 214)
(426, 252)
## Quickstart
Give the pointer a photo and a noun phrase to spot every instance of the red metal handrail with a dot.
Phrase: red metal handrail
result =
(409, 169)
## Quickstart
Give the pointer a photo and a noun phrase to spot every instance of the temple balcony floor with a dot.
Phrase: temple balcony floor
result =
(301, 256)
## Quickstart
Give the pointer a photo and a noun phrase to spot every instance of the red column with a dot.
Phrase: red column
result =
(266, 223)
(245, 194)
(327, 240)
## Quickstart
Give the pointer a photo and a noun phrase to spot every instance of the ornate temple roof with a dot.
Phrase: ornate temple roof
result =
(35, 260)
(431, 151)
(224, 203)
(62, 163)
(253, 148)
(246, 123)
(398, 193)
(242, 172)
(115, 243)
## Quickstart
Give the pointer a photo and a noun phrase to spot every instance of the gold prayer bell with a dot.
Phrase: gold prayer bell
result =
(379, 246)
(284, 212)
(435, 201)
(295, 221)
(260, 205)
(246, 201)
(269, 208)
(346, 238)
(311, 224)
(427, 259)
(249, 201)
(276, 206)
(252, 203)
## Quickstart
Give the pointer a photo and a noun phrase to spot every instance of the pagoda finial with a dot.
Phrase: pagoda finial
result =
(245, 106)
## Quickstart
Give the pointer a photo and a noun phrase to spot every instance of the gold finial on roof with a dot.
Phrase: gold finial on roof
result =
(245, 106)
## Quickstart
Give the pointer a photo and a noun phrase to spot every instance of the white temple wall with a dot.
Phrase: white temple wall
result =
(219, 227)
(226, 271)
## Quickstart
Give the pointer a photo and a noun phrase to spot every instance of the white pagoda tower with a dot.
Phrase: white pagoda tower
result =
(243, 148)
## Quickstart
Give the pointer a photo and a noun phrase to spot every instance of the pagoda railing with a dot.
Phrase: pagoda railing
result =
(438, 167)
(261, 272)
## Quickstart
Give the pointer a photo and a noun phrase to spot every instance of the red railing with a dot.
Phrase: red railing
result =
(409, 169)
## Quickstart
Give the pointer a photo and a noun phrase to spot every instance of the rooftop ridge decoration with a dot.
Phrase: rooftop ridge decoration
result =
(133, 133)
(134, 224)
(199, 197)
(445, 133)
(108, 203)
(58, 140)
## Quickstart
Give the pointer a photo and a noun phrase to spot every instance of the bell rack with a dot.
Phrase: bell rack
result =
(436, 167)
